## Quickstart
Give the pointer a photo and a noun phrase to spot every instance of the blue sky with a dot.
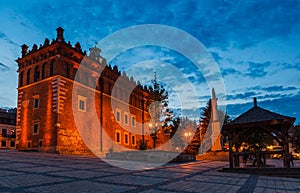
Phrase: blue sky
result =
(256, 44)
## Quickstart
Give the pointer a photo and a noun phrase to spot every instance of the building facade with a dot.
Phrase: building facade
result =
(57, 101)
(7, 128)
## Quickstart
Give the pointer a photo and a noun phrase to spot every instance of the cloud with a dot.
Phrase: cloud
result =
(295, 66)
(275, 88)
(289, 108)
(215, 23)
(245, 95)
(230, 71)
(3, 36)
(3, 67)
(257, 70)
(279, 88)
(216, 56)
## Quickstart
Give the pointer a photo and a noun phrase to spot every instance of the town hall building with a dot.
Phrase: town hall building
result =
(48, 104)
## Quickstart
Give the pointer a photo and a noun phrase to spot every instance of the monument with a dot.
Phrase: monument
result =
(216, 125)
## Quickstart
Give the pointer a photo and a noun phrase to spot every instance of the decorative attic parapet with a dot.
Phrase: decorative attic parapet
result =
(59, 39)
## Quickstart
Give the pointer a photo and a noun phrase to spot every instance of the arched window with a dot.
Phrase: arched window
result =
(51, 68)
(28, 76)
(36, 73)
(21, 79)
(68, 70)
(43, 71)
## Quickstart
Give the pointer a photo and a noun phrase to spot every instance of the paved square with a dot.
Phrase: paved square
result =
(44, 172)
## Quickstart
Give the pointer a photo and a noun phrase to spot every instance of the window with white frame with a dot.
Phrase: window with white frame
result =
(133, 140)
(126, 138)
(118, 115)
(133, 120)
(118, 136)
(81, 103)
(126, 118)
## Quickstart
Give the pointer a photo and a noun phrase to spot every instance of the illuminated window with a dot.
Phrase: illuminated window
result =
(126, 138)
(35, 128)
(133, 139)
(126, 118)
(81, 103)
(118, 115)
(118, 136)
(133, 121)
(36, 102)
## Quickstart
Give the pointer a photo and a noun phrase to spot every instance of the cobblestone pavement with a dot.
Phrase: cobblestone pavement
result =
(42, 172)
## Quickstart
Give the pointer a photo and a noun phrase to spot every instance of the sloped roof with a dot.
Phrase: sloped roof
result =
(258, 114)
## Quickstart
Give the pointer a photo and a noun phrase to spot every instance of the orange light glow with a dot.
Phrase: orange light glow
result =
(24, 128)
(47, 128)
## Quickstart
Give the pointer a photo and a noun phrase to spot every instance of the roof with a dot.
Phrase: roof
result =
(258, 114)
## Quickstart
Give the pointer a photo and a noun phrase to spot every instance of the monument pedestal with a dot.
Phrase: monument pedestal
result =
(216, 137)
(217, 145)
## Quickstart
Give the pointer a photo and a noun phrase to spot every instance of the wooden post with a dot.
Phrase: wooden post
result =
(230, 153)
(286, 153)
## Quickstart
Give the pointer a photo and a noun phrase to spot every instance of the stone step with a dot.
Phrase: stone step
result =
(281, 172)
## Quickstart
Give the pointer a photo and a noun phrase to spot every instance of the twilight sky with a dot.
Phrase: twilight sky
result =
(256, 44)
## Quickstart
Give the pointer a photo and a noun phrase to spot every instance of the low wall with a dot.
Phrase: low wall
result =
(151, 156)
(214, 155)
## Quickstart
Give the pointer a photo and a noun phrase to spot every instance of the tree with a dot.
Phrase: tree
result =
(205, 117)
(142, 145)
(259, 140)
(295, 139)
(185, 131)
(161, 116)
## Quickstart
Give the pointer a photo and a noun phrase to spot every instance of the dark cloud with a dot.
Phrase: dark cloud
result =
(295, 66)
(245, 95)
(290, 107)
(275, 88)
(257, 70)
(3, 67)
(279, 88)
(215, 23)
(3, 36)
(216, 56)
(275, 96)
(229, 71)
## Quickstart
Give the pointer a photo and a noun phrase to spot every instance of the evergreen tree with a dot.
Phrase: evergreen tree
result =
(186, 134)
(259, 140)
(161, 116)
(205, 117)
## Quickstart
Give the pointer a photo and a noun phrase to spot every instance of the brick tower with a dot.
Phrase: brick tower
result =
(46, 99)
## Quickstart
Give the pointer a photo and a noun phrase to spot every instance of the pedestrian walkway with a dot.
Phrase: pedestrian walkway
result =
(43, 172)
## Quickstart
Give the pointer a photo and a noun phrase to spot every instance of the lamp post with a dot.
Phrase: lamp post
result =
(188, 135)
(153, 134)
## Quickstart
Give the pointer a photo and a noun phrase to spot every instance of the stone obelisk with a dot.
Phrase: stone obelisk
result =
(216, 130)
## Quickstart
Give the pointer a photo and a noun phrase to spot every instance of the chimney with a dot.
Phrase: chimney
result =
(255, 101)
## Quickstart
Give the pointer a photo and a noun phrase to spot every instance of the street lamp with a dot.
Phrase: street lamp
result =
(153, 134)
(188, 135)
